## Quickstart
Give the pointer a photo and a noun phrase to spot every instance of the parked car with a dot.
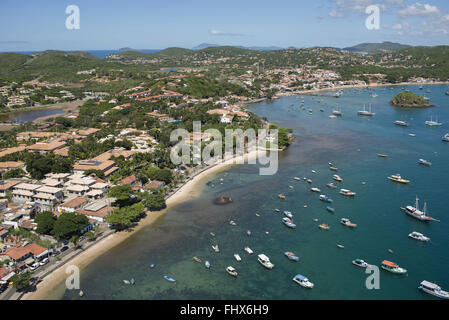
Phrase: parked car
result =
(44, 262)
(64, 248)
(34, 266)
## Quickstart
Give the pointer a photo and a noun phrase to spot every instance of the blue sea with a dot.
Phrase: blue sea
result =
(351, 143)
(99, 53)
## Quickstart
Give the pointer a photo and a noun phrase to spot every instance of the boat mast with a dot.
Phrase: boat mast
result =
(417, 203)
(425, 209)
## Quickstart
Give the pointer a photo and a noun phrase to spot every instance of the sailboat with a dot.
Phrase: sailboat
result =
(433, 123)
(337, 111)
(418, 214)
(365, 112)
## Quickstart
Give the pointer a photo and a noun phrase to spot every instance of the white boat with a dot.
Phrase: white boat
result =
(237, 257)
(360, 263)
(297, 179)
(303, 281)
(446, 137)
(248, 249)
(288, 214)
(374, 95)
(231, 271)
(433, 123)
(315, 189)
(401, 123)
(331, 185)
(418, 236)
(336, 95)
(207, 264)
(336, 177)
(433, 289)
(346, 192)
(232, 223)
(425, 162)
(365, 112)
(216, 249)
(392, 267)
(416, 213)
(265, 261)
(347, 222)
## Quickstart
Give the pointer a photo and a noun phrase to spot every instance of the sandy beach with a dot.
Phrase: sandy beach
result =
(188, 191)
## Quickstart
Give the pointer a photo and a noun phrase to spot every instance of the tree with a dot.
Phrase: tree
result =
(68, 225)
(123, 194)
(45, 222)
(21, 281)
(123, 218)
(14, 173)
(154, 201)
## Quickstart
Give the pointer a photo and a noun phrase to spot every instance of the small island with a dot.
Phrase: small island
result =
(410, 100)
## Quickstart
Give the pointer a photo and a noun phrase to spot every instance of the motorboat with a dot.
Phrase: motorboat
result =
(291, 256)
(232, 223)
(152, 266)
(281, 196)
(248, 249)
(392, 267)
(425, 162)
(325, 199)
(418, 214)
(347, 222)
(248, 232)
(446, 137)
(324, 226)
(330, 209)
(332, 185)
(397, 178)
(347, 193)
(277, 210)
(418, 236)
(381, 155)
(333, 168)
(231, 271)
(197, 259)
(315, 190)
(237, 257)
(288, 214)
(401, 123)
(297, 179)
(207, 264)
(309, 180)
(360, 263)
(303, 281)
(168, 278)
(265, 261)
(216, 249)
(336, 177)
(289, 223)
(433, 289)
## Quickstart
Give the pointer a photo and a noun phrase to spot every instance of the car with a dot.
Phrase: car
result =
(44, 262)
(64, 248)
(54, 253)
(34, 266)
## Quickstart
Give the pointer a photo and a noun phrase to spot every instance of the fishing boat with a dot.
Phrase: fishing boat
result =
(433, 123)
(418, 236)
(303, 281)
(347, 222)
(418, 214)
(397, 178)
(330, 209)
(401, 123)
(425, 162)
(315, 190)
(289, 223)
(231, 271)
(336, 177)
(347, 193)
(291, 256)
(207, 264)
(297, 179)
(265, 261)
(325, 199)
(360, 263)
(324, 226)
(248, 249)
(333, 169)
(446, 137)
(168, 278)
(288, 214)
(332, 185)
(381, 155)
(392, 267)
(237, 257)
(433, 289)
(365, 112)
(248, 232)
(216, 248)
(281, 196)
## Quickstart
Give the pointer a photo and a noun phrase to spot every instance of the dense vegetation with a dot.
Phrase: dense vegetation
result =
(409, 99)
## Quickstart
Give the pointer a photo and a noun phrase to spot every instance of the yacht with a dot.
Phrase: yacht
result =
(237, 257)
(433, 123)
(291, 256)
(248, 249)
(315, 190)
(365, 112)
(433, 289)
(348, 223)
(347, 193)
(336, 177)
(265, 261)
(337, 112)
(336, 95)
(360, 263)
(425, 162)
(418, 236)
(303, 281)
(325, 199)
(375, 95)
(446, 137)
(397, 178)
(416, 213)
(289, 223)
(401, 123)
(333, 168)
(331, 185)
(231, 271)
(392, 267)
(288, 214)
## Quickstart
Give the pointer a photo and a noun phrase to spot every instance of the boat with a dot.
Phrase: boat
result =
(433, 289)
(365, 112)
(325, 199)
(397, 178)
(237, 257)
(231, 271)
(324, 226)
(412, 135)
(232, 223)
(332, 185)
(291, 187)
(310, 111)
(425, 162)
(212, 234)
(289, 223)
(337, 112)
(297, 179)
(446, 137)
(433, 123)
(381, 155)
(421, 87)
(313, 171)
(207, 264)
(81, 293)
(336, 95)
(265, 261)
(447, 93)
(333, 169)
(281, 196)
(418, 236)
(336, 177)
(330, 209)
(126, 282)
(197, 259)
(132, 281)
(390, 251)
(401, 123)
(303, 281)
(277, 210)
(168, 278)
(248, 249)
(340, 246)
(291, 256)
(248, 232)
(309, 180)
(216, 248)
(347, 193)
(152, 265)
(347, 222)
(360, 263)
(288, 214)
(374, 95)
(418, 214)
(392, 267)
(315, 190)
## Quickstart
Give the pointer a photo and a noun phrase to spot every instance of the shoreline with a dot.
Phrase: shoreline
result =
(187, 191)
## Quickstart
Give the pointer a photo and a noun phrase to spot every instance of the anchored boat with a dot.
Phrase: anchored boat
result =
(418, 214)
(433, 289)
(265, 261)
(325, 199)
(360, 263)
(291, 256)
(418, 236)
(348, 223)
(231, 271)
(247, 249)
(425, 162)
(289, 223)
(347, 193)
(303, 281)
(397, 178)
(392, 267)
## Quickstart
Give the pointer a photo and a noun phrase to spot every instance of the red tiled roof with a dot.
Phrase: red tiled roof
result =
(128, 180)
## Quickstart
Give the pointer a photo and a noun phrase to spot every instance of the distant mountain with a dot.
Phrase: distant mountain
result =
(205, 45)
(209, 45)
(373, 47)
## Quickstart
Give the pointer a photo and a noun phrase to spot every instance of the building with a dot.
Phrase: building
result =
(155, 184)
(96, 211)
(6, 186)
(47, 146)
(24, 192)
(73, 204)
(131, 180)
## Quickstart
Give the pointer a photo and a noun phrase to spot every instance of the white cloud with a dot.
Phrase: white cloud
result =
(215, 32)
(419, 10)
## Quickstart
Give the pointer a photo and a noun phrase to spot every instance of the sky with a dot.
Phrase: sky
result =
(30, 25)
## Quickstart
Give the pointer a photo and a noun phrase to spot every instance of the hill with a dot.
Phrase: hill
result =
(409, 100)
(373, 47)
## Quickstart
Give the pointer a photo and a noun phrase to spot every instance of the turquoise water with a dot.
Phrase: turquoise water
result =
(352, 144)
